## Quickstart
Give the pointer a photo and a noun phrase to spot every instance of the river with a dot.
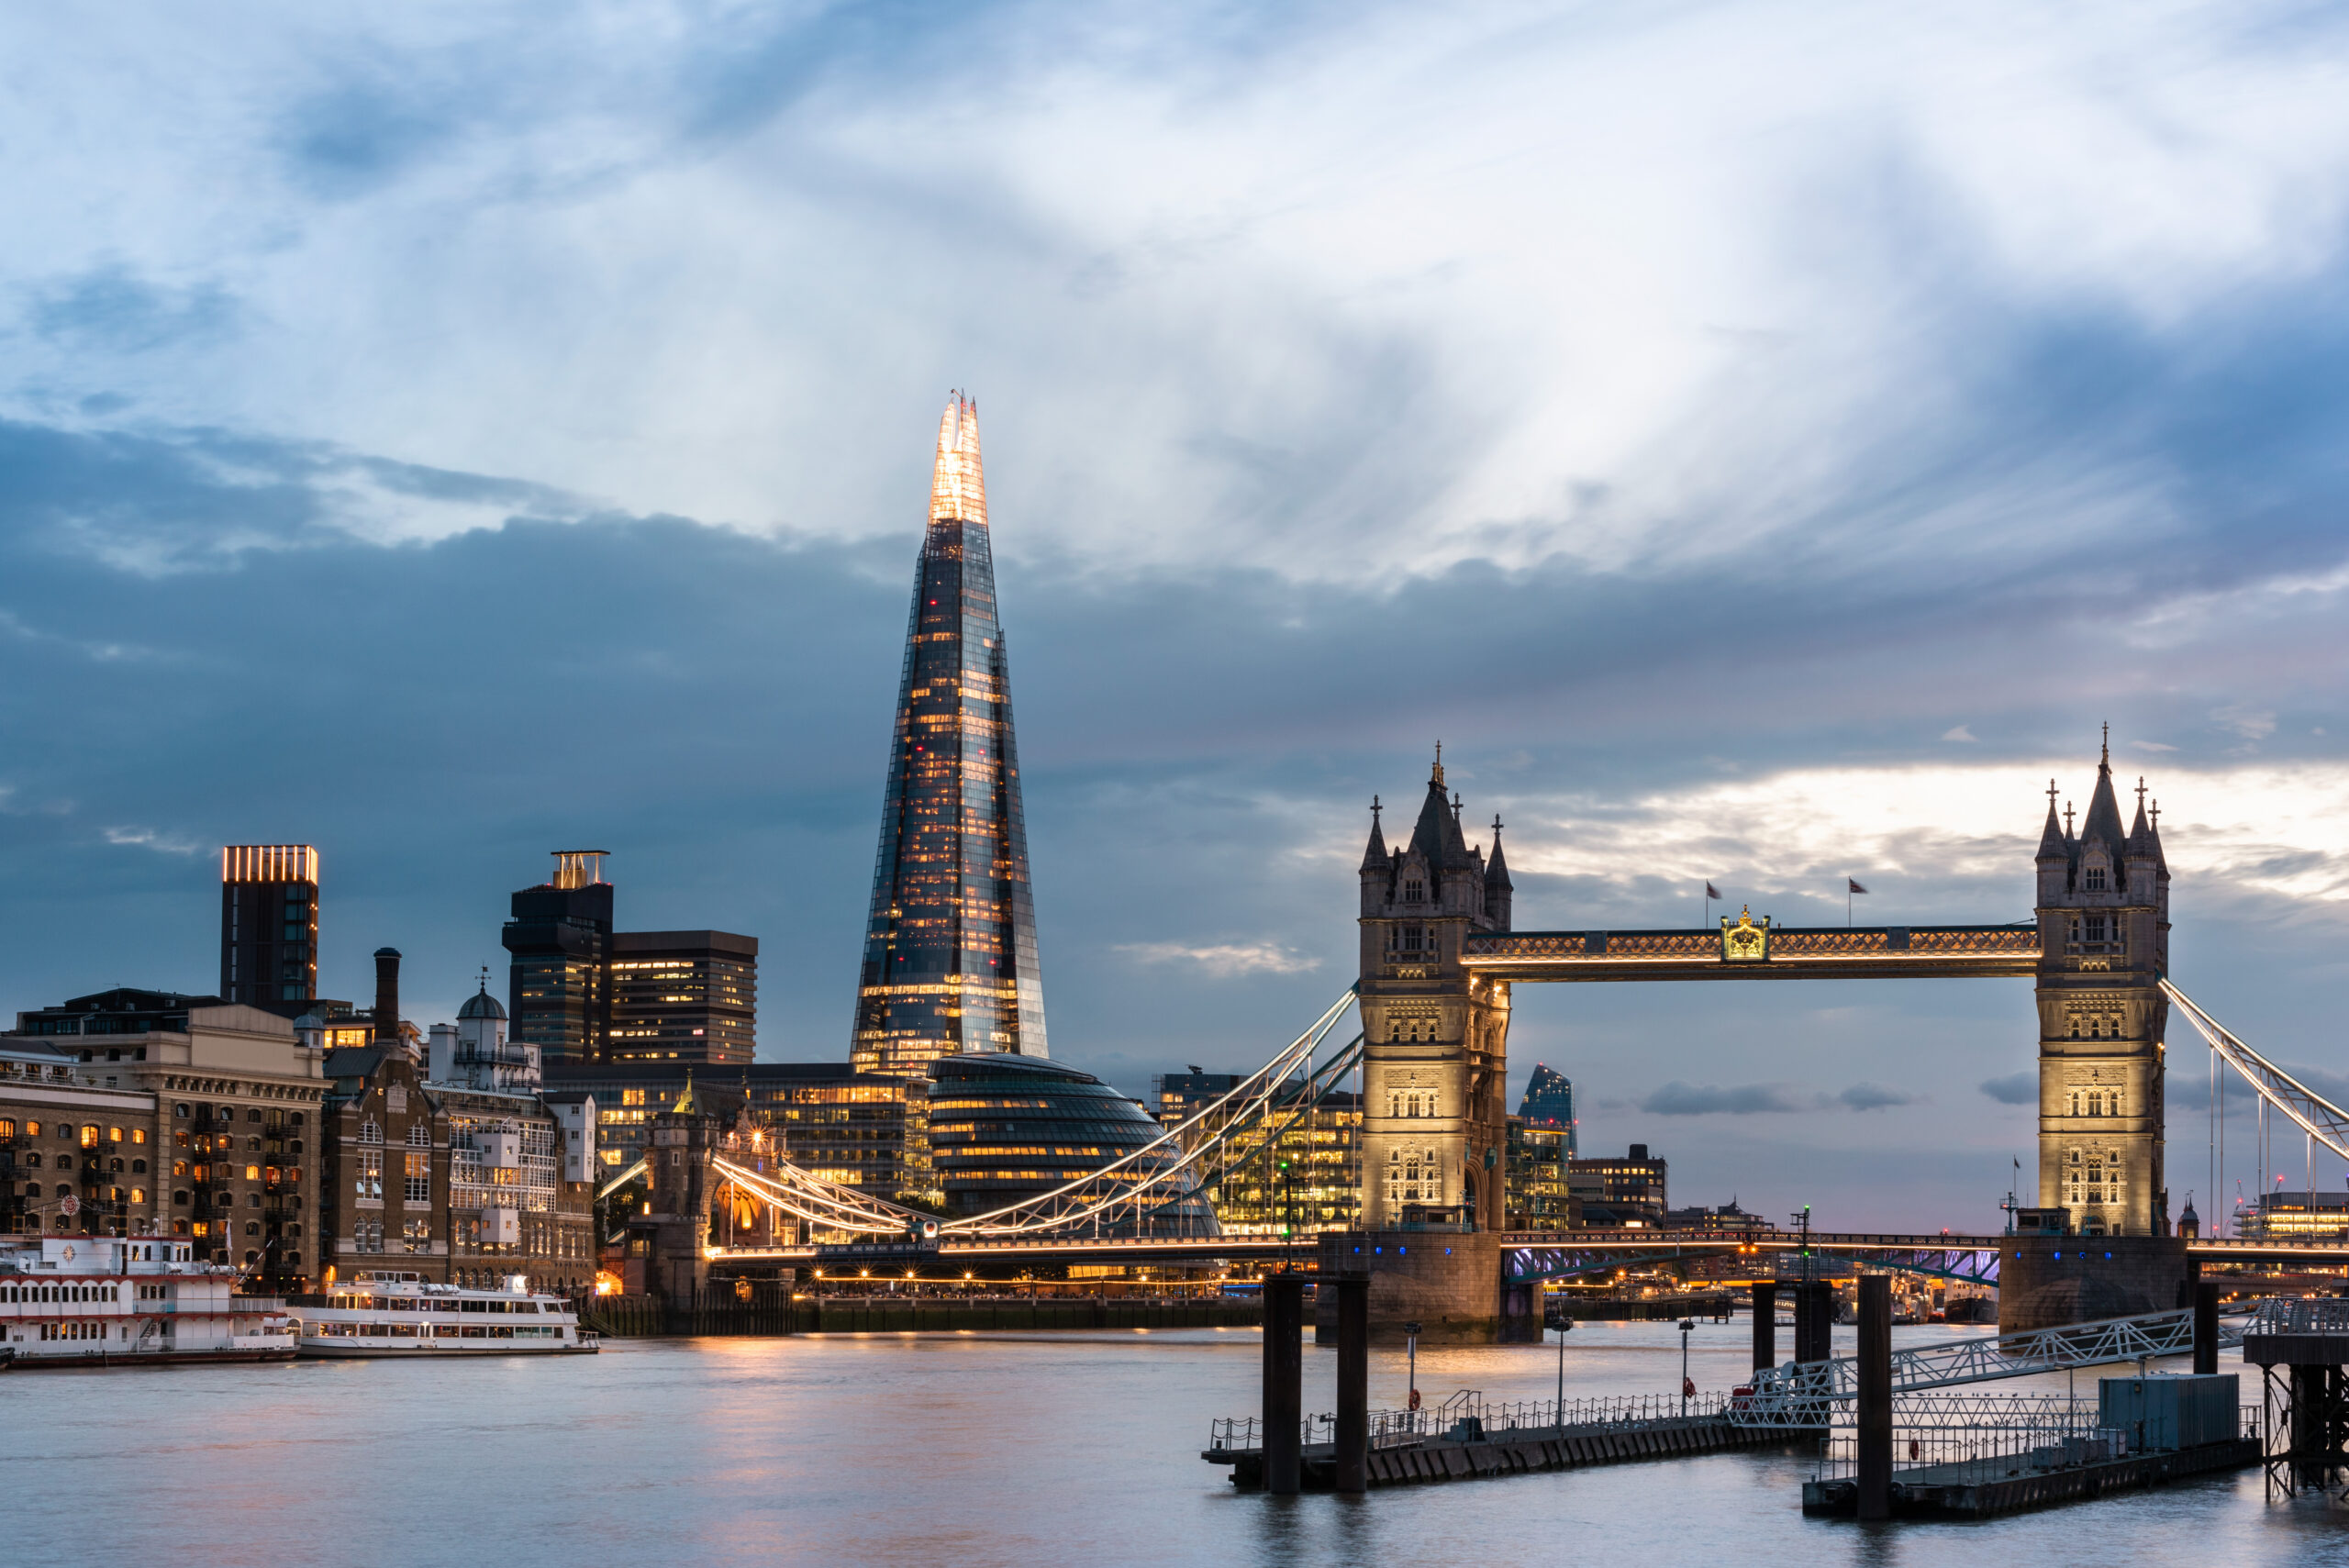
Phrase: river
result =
(951, 1449)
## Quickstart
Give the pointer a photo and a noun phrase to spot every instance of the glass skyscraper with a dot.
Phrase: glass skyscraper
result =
(949, 947)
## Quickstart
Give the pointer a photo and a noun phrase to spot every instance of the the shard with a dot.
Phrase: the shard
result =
(950, 947)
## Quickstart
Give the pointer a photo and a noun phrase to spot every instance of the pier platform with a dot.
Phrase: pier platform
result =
(1964, 1492)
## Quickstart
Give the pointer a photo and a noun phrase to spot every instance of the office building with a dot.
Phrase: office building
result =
(861, 1130)
(268, 925)
(1299, 1169)
(559, 998)
(1540, 1196)
(133, 1112)
(1005, 1127)
(1549, 1104)
(1629, 1190)
(683, 996)
(950, 950)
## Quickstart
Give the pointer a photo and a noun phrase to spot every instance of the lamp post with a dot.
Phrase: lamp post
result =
(1563, 1324)
(1687, 1387)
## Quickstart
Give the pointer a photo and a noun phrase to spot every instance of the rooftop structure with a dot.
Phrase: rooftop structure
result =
(268, 924)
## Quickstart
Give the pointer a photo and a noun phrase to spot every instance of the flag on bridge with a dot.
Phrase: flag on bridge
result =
(1712, 892)
(1854, 887)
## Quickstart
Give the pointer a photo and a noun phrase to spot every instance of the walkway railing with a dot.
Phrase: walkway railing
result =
(1804, 1394)
(1467, 1417)
(1960, 1439)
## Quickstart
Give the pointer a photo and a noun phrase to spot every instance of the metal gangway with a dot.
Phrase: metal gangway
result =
(1123, 1197)
(1806, 1393)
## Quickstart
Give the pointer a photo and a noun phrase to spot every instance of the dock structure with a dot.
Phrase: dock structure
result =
(2300, 1347)
(1467, 1439)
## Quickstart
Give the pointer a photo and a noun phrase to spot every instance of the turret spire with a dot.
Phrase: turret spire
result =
(1374, 855)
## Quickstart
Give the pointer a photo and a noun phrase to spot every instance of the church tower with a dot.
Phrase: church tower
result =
(2104, 950)
(1435, 1041)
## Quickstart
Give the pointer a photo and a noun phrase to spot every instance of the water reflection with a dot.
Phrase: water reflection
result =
(970, 1448)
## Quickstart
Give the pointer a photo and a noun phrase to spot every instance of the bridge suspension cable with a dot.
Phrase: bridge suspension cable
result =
(1133, 1187)
(2318, 1116)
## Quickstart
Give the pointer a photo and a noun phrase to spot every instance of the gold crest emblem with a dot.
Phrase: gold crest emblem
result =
(1745, 940)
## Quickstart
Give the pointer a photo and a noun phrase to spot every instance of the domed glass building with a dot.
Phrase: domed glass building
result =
(1003, 1127)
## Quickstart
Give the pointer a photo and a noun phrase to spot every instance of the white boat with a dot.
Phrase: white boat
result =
(130, 1301)
(388, 1314)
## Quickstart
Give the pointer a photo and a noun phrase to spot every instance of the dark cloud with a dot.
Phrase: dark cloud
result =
(1676, 1098)
(1875, 1097)
(2014, 1089)
(112, 310)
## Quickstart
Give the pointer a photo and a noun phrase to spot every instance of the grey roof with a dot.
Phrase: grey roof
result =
(481, 1004)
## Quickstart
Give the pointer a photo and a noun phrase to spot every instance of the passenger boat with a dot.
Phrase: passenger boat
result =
(388, 1314)
(128, 1301)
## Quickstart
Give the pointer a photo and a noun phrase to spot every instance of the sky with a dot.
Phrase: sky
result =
(1763, 442)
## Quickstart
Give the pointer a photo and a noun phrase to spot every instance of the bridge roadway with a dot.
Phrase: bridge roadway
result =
(1827, 952)
(1526, 1255)
(1094, 1249)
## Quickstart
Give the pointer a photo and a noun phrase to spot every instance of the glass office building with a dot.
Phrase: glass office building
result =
(1005, 1127)
(950, 947)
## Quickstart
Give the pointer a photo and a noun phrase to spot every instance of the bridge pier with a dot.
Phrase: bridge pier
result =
(1765, 1324)
(1814, 1320)
(1448, 1281)
(1284, 1383)
(2046, 1281)
(1351, 1438)
(1872, 1473)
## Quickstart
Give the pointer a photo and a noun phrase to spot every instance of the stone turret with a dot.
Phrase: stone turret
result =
(2103, 911)
(1436, 1041)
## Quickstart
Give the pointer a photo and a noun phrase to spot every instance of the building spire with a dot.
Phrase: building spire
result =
(2051, 838)
(1374, 855)
(1436, 778)
(957, 485)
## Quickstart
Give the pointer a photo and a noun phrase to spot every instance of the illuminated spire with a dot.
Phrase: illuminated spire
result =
(957, 488)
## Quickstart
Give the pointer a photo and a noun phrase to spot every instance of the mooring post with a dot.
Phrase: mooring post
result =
(1765, 1324)
(2206, 1327)
(1814, 1320)
(1284, 1376)
(1353, 1384)
(1874, 1470)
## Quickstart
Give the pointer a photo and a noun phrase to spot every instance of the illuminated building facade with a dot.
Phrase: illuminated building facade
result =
(268, 924)
(950, 950)
(560, 996)
(686, 996)
(1633, 1190)
(1006, 1127)
(858, 1128)
(1549, 1104)
(1540, 1197)
(1310, 1179)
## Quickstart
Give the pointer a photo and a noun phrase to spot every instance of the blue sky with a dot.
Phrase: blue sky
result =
(1763, 442)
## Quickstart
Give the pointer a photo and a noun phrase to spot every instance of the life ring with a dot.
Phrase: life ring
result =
(1415, 1398)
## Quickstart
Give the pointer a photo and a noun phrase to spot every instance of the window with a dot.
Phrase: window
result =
(415, 1236)
(418, 1178)
(369, 1132)
(138, 1135)
(2095, 881)
(180, 1111)
(418, 1135)
(1415, 891)
(89, 1138)
(369, 1183)
(114, 1135)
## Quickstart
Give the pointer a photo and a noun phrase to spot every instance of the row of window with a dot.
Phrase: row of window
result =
(90, 1136)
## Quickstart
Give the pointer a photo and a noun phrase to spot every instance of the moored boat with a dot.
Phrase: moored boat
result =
(128, 1301)
(400, 1315)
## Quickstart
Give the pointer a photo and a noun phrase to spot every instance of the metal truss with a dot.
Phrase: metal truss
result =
(1804, 1394)
(2318, 1116)
(1179, 1166)
(1976, 1263)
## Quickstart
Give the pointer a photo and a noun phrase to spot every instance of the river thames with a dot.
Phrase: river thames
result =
(961, 1449)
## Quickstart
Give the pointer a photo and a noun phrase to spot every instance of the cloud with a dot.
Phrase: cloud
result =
(2252, 724)
(149, 839)
(2150, 746)
(1677, 1098)
(2014, 1089)
(1226, 958)
(1960, 733)
(1875, 1096)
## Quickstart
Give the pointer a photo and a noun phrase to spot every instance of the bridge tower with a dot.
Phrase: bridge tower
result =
(1435, 1038)
(2104, 950)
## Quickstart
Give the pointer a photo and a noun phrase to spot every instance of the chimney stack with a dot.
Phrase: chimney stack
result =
(387, 997)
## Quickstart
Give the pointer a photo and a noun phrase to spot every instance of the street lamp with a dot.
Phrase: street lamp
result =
(1687, 1387)
(1411, 1349)
(1564, 1323)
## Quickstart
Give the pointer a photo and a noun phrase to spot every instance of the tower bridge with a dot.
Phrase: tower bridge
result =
(1439, 962)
